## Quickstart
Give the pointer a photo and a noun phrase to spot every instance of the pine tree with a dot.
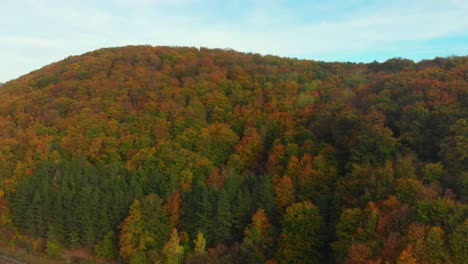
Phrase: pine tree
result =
(241, 211)
(38, 224)
(197, 211)
(262, 190)
(20, 208)
(222, 219)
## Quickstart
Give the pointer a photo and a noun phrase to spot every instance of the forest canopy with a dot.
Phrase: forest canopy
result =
(148, 154)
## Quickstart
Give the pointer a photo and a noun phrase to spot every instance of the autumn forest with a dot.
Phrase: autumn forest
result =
(145, 154)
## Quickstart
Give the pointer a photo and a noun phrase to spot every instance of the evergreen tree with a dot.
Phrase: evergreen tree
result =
(197, 212)
(36, 211)
(241, 210)
(223, 219)
(20, 208)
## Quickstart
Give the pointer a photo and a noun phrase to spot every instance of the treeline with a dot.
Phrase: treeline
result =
(74, 203)
(147, 154)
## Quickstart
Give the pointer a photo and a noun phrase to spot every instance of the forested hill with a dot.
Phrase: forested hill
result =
(143, 154)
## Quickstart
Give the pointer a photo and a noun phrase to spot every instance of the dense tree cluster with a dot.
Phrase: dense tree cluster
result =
(150, 154)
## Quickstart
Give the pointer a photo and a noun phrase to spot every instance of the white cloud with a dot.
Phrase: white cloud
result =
(459, 3)
(29, 41)
(157, 3)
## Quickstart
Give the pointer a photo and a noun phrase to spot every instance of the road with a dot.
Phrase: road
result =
(7, 260)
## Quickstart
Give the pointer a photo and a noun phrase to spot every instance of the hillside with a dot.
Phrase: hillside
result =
(145, 153)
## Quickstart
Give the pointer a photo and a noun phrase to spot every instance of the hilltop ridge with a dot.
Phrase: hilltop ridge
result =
(145, 153)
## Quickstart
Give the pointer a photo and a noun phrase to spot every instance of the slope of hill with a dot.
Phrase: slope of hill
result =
(147, 153)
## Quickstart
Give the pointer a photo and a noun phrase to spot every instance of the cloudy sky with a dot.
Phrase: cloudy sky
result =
(34, 33)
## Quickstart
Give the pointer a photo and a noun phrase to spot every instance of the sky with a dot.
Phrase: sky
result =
(35, 33)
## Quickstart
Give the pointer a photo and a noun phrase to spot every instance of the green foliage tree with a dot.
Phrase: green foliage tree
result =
(374, 143)
(302, 234)
(380, 149)
(53, 249)
(435, 243)
(258, 241)
(197, 212)
(217, 142)
(355, 226)
(146, 227)
(457, 242)
(222, 219)
(107, 248)
(172, 250)
(199, 244)
(433, 172)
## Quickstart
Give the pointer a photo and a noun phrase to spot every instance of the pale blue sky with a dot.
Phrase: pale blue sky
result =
(34, 33)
